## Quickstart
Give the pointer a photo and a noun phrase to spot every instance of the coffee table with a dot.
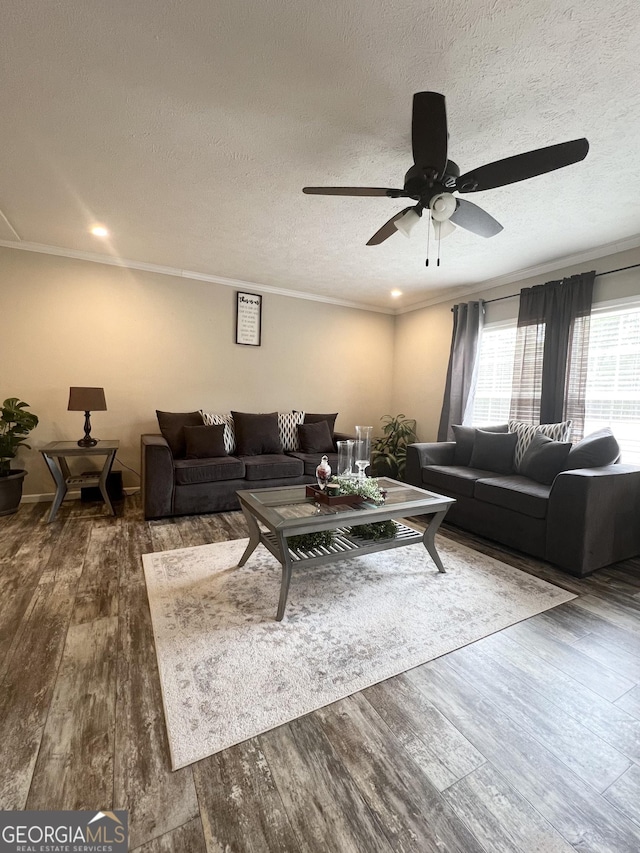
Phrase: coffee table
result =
(286, 512)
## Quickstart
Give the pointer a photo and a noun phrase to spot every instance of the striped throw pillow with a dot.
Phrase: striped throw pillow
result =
(288, 423)
(526, 432)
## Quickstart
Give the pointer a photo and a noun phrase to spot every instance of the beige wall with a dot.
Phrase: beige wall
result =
(423, 337)
(161, 342)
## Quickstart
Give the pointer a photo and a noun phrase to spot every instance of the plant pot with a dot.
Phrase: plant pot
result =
(11, 491)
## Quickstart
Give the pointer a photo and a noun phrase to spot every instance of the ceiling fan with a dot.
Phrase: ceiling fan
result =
(433, 179)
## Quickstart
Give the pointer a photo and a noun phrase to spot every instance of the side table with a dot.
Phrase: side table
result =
(55, 455)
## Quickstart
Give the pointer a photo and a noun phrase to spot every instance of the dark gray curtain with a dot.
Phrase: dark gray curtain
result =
(468, 320)
(552, 348)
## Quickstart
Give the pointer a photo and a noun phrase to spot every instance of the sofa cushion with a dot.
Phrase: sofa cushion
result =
(311, 461)
(188, 471)
(272, 466)
(494, 451)
(172, 426)
(595, 450)
(465, 436)
(288, 423)
(256, 433)
(456, 479)
(544, 459)
(211, 418)
(516, 493)
(315, 438)
(204, 442)
(525, 432)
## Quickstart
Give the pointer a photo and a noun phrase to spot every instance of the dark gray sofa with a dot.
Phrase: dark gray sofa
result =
(180, 486)
(585, 519)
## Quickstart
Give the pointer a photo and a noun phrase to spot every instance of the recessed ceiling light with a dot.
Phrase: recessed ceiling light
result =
(99, 231)
(396, 293)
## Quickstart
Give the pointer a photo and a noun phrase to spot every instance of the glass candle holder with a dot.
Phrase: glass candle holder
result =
(363, 449)
(345, 457)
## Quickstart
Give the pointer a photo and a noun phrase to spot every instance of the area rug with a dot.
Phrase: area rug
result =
(229, 671)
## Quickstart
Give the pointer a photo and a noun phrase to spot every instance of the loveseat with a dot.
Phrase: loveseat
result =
(578, 507)
(200, 460)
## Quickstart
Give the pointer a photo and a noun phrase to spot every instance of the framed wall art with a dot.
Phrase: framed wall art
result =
(248, 319)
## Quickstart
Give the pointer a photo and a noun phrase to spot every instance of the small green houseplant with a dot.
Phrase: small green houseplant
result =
(15, 424)
(389, 452)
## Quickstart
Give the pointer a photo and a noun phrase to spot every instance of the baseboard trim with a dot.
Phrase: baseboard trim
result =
(70, 496)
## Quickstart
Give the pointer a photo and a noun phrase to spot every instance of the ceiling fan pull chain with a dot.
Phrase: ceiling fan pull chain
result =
(439, 230)
(428, 238)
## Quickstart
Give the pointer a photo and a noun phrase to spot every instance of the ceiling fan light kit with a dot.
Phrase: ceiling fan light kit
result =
(433, 178)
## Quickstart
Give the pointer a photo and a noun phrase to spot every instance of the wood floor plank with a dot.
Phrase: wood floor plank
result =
(413, 812)
(613, 657)
(630, 702)
(97, 593)
(605, 719)
(240, 805)
(500, 817)
(593, 674)
(158, 799)
(625, 793)
(185, 839)
(31, 665)
(19, 527)
(623, 615)
(166, 536)
(573, 807)
(74, 769)
(600, 626)
(436, 746)
(588, 756)
(322, 801)
(560, 623)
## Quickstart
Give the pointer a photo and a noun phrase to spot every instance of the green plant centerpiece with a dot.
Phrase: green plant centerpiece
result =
(389, 452)
(15, 424)
(368, 489)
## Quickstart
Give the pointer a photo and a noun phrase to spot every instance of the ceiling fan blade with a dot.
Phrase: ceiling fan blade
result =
(429, 132)
(523, 166)
(354, 191)
(473, 218)
(387, 230)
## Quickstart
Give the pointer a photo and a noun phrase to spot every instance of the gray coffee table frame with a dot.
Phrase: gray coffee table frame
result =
(262, 507)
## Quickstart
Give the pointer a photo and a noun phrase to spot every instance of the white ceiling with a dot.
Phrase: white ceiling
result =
(189, 128)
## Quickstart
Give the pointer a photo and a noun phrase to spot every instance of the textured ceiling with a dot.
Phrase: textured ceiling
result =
(190, 127)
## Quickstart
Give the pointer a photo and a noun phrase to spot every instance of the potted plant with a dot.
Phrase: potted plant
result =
(389, 453)
(15, 424)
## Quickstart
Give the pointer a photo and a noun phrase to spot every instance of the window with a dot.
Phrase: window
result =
(495, 371)
(613, 377)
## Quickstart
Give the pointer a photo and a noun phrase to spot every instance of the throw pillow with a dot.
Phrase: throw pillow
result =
(465, 436)
(172, 426)
(544, 459)
(256, 433)
(525, 432)
(315, 438)
(599, 448)
(288, 423)
(494, 451)
(211, 419)
(204, 442)
(314, 419)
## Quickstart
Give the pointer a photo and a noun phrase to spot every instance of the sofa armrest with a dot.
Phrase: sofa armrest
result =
(427, 453)
(157, 476)
(592, 518)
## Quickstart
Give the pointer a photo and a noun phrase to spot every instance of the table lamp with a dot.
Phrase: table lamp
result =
(87, 400)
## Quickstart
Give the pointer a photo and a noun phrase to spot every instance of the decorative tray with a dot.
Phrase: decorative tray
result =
(332, 500)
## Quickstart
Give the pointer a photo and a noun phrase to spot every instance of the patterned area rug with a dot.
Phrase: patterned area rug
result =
(229, 671)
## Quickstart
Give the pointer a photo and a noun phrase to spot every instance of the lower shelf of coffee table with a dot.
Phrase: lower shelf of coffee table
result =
(344, 545)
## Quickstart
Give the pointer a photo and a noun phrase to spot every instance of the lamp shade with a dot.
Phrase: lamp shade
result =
(407, 222)
(87, 400)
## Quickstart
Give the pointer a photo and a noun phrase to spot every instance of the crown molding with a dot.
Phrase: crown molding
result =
(237, 284)
(528, 272)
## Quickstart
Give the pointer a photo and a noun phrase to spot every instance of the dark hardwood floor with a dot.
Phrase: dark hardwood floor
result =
(527, 740)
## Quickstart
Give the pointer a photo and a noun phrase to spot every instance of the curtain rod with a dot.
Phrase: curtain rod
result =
(598, 274)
